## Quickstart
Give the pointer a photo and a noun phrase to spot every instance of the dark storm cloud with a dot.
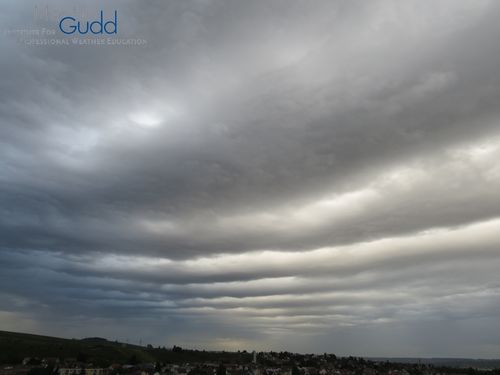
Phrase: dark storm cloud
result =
(257, 167)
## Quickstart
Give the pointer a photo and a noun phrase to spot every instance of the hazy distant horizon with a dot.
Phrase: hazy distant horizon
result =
(270, 175)
(145, 345)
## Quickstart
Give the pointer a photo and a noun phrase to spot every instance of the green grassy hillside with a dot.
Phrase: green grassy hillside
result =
(16, 346)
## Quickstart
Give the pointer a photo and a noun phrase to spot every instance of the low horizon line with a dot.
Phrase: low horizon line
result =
(369, 357)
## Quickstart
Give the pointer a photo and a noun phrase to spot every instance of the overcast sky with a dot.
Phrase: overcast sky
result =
(311, 176)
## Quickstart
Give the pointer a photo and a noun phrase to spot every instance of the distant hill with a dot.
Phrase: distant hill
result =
(16, 346)
(446, 362)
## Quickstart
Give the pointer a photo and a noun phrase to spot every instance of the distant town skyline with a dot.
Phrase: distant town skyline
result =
(304, 176)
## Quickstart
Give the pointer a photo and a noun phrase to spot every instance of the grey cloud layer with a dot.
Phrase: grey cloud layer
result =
(258, 169)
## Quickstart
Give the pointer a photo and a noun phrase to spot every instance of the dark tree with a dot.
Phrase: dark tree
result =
(133, 360)
(81, 357)
(221, 370)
